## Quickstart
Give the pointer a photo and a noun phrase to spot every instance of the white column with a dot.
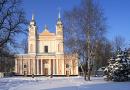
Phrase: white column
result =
(60, 66)
(57, 66)
(28, 67)
(54, 67)
(34, 67)
(20, 66)
(49, 66)
(76, 69)
(16, 66)
(62, 62)
(37, 66)
(27, 71)
(41, 67)
(31, 64)
(71, 67)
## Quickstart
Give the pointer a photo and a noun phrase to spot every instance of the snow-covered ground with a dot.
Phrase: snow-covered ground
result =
(60, 83)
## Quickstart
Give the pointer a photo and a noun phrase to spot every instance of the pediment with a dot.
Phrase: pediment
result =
(47, 33)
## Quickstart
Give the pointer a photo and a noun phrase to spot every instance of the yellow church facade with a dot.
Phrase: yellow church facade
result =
(46, 53)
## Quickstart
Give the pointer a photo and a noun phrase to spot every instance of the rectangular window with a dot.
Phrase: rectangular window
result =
(46, 49)
(25, 66)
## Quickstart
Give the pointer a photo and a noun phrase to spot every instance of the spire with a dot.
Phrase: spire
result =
(46, 28)
(59, 16)
(32, 17)
(32, 22)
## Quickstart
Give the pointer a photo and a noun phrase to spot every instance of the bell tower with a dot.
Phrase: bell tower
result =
(59, 26)
(32, 37)
(59, 35)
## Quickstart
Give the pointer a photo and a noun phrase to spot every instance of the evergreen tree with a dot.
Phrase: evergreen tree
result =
(118, 70)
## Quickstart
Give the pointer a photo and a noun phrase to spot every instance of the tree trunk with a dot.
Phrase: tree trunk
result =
(85, 76)
(82, 70)
(89, 73)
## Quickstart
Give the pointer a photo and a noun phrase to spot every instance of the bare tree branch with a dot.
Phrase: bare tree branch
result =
(12, 19)
(87, 18)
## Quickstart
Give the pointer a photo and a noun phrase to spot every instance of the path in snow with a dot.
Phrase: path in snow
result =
(60, 83)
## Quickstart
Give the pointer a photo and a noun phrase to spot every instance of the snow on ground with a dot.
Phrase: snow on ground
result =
(60, 83)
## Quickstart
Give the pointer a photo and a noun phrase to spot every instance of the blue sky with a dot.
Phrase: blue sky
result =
(116, 11)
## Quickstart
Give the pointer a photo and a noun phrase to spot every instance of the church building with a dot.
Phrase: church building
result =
(46, 53)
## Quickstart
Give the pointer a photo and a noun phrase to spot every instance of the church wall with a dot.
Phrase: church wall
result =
(49, 43)
(39, 62)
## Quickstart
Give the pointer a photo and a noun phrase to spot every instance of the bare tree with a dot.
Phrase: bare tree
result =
(103, 52)
(12, 21)
(118, 43)
(84, 27)
(6, 60)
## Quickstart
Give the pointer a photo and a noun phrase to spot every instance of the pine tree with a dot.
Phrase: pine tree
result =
(118, 70)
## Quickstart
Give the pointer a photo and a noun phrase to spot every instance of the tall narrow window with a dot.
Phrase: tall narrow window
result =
(46, 49)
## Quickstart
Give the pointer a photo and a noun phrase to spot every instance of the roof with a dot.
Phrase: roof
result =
(47, 33)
